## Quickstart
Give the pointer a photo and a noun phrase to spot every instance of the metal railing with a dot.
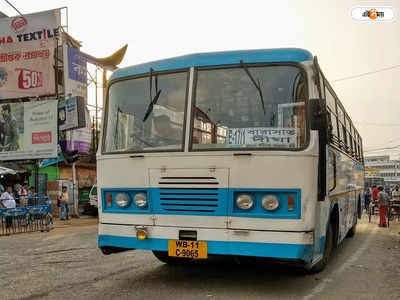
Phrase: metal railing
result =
(33, 215)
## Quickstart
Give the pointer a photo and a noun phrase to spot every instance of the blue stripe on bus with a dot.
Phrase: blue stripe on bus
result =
(272, 250)
(216, 59)
(210, 202)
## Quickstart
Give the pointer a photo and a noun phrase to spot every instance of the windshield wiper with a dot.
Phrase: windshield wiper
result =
(256, 84)
(154, 100)
(151, 106)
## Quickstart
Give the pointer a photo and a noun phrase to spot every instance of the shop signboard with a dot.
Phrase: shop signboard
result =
(75, 72)
(372, 172)
(28, 130)
(27, 54)
(51, 161)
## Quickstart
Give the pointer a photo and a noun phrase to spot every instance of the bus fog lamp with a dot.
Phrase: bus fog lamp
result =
(140, 199)
(244, 202)
(270, 202)
(122, 200)
(141, 234)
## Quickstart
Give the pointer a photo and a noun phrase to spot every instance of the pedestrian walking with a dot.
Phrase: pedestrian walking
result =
(375, 192)
(367, 199)
(64, 206)
(383, 201)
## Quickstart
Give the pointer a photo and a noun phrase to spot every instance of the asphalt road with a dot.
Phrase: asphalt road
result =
(66, 264)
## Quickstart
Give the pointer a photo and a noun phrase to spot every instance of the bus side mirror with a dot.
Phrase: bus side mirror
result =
(318, 119)
(317, 115)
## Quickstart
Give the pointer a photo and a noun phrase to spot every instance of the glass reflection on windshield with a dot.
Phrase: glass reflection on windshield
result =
(129, 130)
(228, 112)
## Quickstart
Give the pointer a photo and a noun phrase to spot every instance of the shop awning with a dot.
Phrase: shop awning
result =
(4, 171)
(13, 168)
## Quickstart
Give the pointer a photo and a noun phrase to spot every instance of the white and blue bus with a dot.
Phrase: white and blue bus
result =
(241, 153)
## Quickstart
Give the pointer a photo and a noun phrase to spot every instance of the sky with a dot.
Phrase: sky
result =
(157, 29)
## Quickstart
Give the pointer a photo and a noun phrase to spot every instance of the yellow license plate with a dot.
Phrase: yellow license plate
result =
(187, 249)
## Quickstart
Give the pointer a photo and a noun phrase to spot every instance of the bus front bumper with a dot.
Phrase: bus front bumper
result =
(268, 244)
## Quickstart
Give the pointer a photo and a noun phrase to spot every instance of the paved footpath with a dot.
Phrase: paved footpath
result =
(66, 264)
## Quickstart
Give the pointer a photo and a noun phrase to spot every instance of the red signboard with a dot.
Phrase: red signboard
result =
(41, 137)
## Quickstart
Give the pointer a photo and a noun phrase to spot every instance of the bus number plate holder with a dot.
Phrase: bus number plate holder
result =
(187, 249)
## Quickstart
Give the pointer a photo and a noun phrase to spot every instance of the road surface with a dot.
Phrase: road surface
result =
(66, 264)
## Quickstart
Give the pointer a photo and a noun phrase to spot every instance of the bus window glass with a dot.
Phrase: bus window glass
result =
(229, 113)
(334, 125)
(340, 114)
(330, 101)
(349, 141)
(134, 125)
(342, 134)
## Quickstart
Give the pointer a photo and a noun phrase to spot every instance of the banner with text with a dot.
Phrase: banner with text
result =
(28, 130)
(75, 72)
(27, 54)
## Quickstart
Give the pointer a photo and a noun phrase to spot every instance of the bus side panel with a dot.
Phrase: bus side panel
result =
(345, 193)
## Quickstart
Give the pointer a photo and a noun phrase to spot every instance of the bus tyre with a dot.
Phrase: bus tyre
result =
(163, 257)
(319, 266)
(352, 231)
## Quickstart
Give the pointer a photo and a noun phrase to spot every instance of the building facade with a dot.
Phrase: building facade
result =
(383, 166)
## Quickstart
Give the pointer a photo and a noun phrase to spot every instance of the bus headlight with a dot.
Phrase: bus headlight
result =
(122, 200)
(244, 201)
(140, 199)
(270, 202)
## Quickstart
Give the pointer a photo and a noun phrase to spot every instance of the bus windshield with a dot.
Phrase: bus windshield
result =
(140, 119)
(250, 107)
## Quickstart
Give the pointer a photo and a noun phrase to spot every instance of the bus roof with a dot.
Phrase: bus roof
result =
(216, 59)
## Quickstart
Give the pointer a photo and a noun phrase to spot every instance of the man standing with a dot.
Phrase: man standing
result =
(383, 200)
(375, 192)
(64, 204)
(11, 135)
(8, 201)
(7, 198)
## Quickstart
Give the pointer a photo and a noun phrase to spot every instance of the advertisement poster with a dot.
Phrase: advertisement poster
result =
(80, 139)
(71, 113)
(75, 72)
(27, 54)
(28, 130)
(265, 136)
(27, 71)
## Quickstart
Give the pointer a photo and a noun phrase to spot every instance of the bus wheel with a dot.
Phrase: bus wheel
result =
(352, 231)
(319, 266)
(163, 257)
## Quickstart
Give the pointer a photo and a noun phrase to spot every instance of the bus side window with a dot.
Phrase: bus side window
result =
(331, 170)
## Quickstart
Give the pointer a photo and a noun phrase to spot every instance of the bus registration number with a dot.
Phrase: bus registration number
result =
(188, 249)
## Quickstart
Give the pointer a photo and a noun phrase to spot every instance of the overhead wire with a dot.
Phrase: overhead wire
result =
(367, 73)
(377, 124)
(384, 148)
(9, 3)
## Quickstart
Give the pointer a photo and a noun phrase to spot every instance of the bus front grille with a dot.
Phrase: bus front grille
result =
(187, 200)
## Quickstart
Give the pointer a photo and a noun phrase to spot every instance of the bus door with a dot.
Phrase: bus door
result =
(190, 197)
